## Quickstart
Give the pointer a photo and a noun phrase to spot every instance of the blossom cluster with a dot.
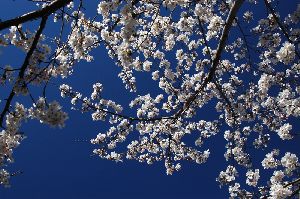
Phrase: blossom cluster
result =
(177, 42)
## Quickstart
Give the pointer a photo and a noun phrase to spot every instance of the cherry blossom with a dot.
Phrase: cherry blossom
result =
(199, 54)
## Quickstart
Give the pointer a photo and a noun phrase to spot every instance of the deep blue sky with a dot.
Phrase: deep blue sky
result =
(54, 165)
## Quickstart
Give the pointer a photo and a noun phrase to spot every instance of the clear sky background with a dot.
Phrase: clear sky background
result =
(55, 165)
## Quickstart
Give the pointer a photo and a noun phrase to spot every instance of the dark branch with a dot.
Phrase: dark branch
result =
(283, 29)
(46, 11)
(221, 46)
(23, 68)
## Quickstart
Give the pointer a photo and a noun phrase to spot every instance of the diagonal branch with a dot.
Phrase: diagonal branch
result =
(282, 28)
(46, 11)
(33, 46)
(229, 21)
(23, 68)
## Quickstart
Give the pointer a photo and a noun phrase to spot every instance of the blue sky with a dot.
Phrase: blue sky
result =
(55, 165)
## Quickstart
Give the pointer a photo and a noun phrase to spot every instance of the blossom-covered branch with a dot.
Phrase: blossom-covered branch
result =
(46, 11)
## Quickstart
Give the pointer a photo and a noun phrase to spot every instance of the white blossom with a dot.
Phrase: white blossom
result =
(289, 161)
(286, 54)
(284, 132)
(252, 177)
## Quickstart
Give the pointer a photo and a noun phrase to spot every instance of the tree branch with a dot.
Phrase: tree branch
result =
(282, 28)
(24, 66)
(46, 11)
(231, 17)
